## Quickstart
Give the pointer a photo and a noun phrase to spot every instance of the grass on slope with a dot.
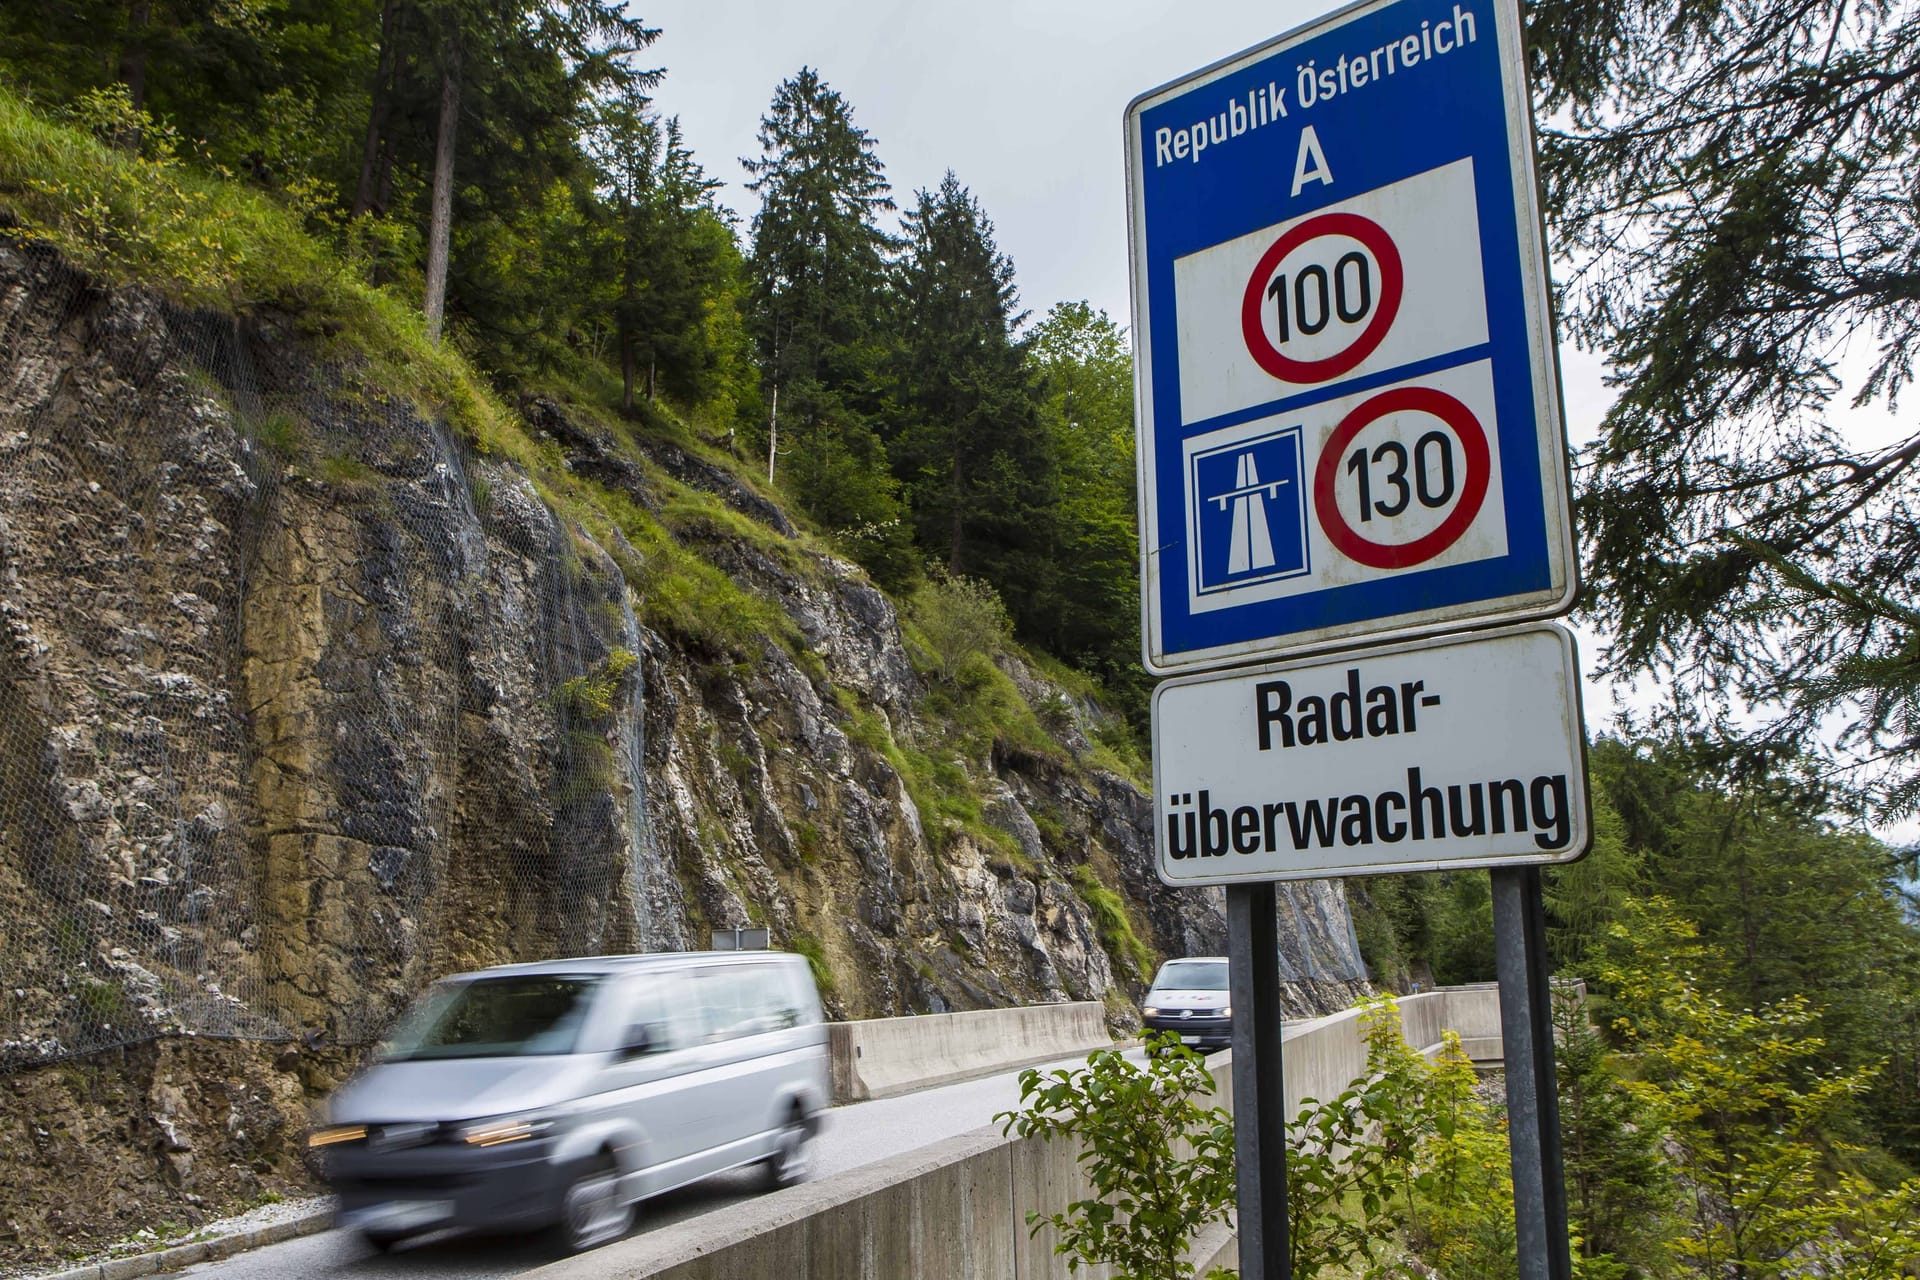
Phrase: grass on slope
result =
(206, 241)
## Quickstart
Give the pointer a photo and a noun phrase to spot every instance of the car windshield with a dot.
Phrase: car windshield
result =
(505, 1017)
(1192, 975)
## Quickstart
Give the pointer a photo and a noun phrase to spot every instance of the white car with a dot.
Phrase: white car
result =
(561, 1093)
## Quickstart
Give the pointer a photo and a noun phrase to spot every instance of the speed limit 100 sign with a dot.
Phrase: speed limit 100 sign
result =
(1348, 400)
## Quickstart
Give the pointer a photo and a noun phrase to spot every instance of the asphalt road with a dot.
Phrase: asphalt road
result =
(851, 1137)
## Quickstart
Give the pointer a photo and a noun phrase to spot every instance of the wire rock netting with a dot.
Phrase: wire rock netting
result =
(300, 704)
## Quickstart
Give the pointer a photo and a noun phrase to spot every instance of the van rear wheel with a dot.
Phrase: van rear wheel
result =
(792, 1156)
(593, 1212)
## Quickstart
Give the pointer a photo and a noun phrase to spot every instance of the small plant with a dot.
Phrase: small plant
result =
(1161, 1164)
(809, 946)
(591, 695)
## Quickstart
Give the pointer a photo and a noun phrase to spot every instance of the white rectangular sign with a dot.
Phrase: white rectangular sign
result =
(1467, 751)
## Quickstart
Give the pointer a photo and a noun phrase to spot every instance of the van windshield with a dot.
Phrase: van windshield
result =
(1192, 975)
(505, 1017)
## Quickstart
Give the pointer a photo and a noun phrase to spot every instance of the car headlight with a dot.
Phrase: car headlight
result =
(1152, 1011)
(1226, 1011)
(494, 1133)
(336, 1133)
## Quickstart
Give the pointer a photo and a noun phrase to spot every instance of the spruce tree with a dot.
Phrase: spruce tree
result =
(980, 476)
(1733, 185)
(814, 308)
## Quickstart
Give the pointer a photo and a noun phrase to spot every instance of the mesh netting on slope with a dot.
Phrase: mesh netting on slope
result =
(299, 705)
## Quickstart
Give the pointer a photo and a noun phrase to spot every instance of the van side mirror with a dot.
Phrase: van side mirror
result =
(639, 1039)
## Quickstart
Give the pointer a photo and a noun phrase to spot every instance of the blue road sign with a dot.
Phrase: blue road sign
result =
(1348, 399)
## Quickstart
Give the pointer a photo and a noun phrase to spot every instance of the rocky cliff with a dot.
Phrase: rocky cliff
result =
(307, 697)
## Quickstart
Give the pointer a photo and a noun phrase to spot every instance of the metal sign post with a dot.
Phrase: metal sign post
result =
(1259, 1086)
(1533, 1096)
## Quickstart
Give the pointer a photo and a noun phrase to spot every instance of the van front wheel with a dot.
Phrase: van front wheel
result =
(593, 1211)
(792, 1152)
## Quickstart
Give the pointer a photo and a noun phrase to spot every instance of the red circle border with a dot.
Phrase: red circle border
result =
(1392, 285)
(1479, 473)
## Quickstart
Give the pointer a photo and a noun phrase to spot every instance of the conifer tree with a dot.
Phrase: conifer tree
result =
(980, 476)
(1734, 187)
(814, 307)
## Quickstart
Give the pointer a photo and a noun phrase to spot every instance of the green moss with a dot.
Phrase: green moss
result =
(1113, 921)
(104, 1000)
(588, 768)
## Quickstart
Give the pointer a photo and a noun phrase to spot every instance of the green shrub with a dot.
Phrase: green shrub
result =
(1160, 1163)
(961, 620)
(591, 694)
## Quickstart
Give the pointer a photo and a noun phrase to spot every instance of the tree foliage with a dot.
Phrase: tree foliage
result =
(1751, 1108)
(1733, 186)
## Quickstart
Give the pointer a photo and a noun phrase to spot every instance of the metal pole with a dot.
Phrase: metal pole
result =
(1259, 1090)
(1547, 1080)
(1524, 1121)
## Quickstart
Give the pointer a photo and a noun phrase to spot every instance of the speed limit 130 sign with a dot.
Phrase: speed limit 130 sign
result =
(1349, 406)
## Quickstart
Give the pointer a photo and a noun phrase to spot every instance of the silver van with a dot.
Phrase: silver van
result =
(1190, 999)
(560, 1093)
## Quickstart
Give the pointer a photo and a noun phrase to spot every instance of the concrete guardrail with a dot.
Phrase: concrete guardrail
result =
(880, 1057)
(957, 1210)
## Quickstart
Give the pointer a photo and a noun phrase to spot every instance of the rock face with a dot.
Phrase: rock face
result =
(303, 703)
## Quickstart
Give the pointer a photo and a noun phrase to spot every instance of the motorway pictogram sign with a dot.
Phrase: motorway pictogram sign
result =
(1348, 398)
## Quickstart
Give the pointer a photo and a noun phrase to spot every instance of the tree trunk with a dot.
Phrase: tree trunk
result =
(959, 513)
(133, 56)
(773, 432)
(363, 192)
(626, 367)
(440, 228)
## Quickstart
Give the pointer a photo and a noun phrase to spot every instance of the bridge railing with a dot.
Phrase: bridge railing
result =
(956, 1210)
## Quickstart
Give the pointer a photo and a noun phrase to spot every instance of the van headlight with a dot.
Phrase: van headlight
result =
(494, 1133)
(1151, 1011)
(1226, 1011)
(334, 1134)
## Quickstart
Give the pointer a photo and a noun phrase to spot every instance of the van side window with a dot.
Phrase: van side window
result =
(739, 1000)
(802, 1002)
(660, 999)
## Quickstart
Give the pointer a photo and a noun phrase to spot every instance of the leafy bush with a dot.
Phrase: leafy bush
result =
(1161, 1164)
(960, 619)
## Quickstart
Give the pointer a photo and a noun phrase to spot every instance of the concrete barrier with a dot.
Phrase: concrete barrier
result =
(880, 1057)
(957, 1210)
